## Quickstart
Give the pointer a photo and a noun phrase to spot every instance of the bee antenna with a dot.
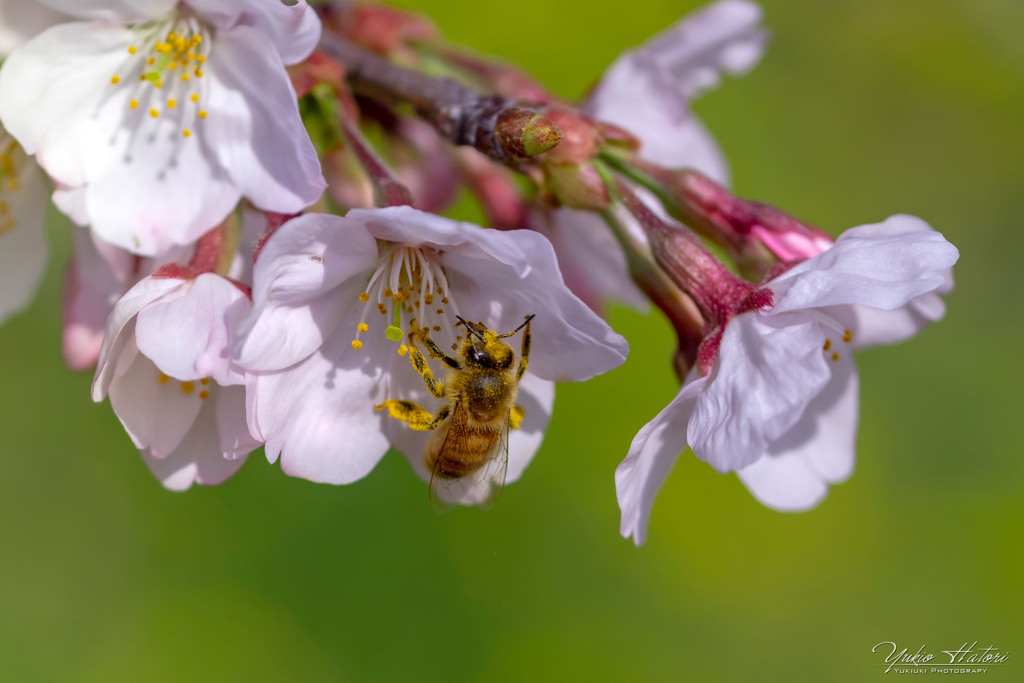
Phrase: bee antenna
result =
(524, 324)
(469, 328)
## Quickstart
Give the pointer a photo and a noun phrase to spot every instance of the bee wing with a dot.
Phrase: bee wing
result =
(481, 487)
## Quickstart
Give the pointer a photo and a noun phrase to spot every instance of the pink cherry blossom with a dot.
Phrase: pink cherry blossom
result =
(166, 368)
(155, 116)
(334, 300)
(779, 404)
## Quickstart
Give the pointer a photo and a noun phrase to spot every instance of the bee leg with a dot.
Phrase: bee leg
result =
(419, 363)
(436, 352)
(413, 415)
(524, 353)
(515, 417)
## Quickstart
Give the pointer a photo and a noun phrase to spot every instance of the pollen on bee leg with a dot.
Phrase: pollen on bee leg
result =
(402, 350)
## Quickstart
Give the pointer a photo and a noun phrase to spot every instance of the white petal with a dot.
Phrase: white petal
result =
(654, 451)
(875, 327)
(308, 276)
(129, 11)
(817, 451)
(254, 128)
(768, 370)
(197, 460)
(318, 415)
(189, 337)
(23, 250)
(570, 342)
(156, 414)
(883, 266)
(21, 20)
(292, 27)
(232, 427)
(120, 329)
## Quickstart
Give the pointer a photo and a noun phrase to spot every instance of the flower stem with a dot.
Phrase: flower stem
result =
(388, 190)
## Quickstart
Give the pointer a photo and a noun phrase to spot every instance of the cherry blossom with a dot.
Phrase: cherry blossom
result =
(334, 302)
(23, 250)
(155, 116)
(779, 402)
(23, 19)
(166, 368)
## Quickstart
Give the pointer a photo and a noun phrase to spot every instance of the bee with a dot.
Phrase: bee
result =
(470, 440)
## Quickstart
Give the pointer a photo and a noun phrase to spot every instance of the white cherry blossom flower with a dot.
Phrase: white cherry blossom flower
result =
(156, 116)
(165, 365)
(779, 402)
(23, 250)
(334, 302)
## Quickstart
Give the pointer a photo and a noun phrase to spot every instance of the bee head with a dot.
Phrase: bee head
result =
(483, 348)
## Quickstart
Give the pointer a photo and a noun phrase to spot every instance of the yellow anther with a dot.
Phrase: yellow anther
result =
(402, 350)
(356, 344)
(444, 300)
(172, 35)
(364, 297)
(196, 39)
(382, 308)
(132, 50)
(828, 345)
(163, 48)
(158, 84)
(437, 328)
(204, 394)
(172, 103)
(186, 133)
(429, 298)
(188, 387)
(151, 61)
(201, 59)
(388, 293)
(134, 104)
(363, 327)
(194, 97)
(455, 347)
(205, 381)
(408, 309)
(439, 311)
(163, 379)
(180, 45)
(191, 55)
(154, 113)
(847, 336)
(835, 356)
(198, 72)
(202, 113)
(114, 80)
(185, 76)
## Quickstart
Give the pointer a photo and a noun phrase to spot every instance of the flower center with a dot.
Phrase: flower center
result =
(166, 67)
(408, 290)
(190, 388)
(12, 162)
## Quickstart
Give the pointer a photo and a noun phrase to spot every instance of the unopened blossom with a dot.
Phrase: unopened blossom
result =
(23, 202)
(166, 369)
(335, 300)
(778, 402)
(156, 116)
(647, 92)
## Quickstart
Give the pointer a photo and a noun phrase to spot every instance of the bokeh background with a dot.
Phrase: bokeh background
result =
(859, 110)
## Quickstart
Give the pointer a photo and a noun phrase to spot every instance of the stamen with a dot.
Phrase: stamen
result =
(847, 336)
(828, 344)
(187, 387)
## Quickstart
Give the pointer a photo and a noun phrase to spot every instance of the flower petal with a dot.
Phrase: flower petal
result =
(883, 266)
(654, 451)
(254, 128)
(23, 250)
(197, 460)
(235, 439)
(318, 415)
(570, 342)
(120, 329)
(157, 412)
(293, 27)
(307, 277)
(130, 11)
(21, 20)
(769, 369)
(817, 451)
(189, 337)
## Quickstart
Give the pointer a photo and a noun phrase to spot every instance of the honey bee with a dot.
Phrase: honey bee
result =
(470, 440)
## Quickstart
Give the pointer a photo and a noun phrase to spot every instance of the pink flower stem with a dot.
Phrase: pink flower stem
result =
(388, 190)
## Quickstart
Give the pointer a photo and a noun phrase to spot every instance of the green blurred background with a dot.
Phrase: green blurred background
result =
(859, 110)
